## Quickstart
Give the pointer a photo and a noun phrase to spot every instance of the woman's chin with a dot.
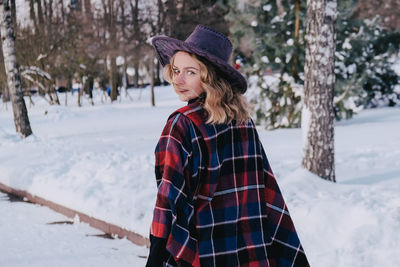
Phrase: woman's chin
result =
(183, 98)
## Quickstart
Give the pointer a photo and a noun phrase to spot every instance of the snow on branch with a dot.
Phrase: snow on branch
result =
(29, 78)
(35, 70)
(41, 56)
(331, 9)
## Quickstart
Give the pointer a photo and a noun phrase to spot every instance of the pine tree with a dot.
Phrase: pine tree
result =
(21, 119)
(270, 39)
(363, 70)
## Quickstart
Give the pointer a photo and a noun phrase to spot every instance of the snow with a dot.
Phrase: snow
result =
(91, 159)
(99, 160)
(331, 9)
(277, 19)
(288, 57)
(305, 125)
(265, 59)
(267, 7)
(346, 44)
(120, 61)
(290, 42)
(46, 242)
(396, 66)
(130, 71)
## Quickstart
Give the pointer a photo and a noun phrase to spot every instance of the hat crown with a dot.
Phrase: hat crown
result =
(211, 41)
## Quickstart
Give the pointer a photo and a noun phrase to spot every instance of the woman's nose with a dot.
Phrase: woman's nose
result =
(179, 78)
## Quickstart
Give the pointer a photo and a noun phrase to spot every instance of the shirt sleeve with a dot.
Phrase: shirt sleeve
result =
(173, 217)
(158, 253)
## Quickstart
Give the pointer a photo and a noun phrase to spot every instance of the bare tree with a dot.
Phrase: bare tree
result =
(21, 119)
(318, 114)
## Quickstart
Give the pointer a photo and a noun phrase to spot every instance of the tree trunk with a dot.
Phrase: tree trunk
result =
(13, 14)
(40, 12)
(295, 65)
(113, 79)
(32, 11)
(63, 14)
(21, 119)
(280, 7)
(5, 94)
(66, 97)
(152, 81)
(54, 91)
(160, 21)
(50, 10)
(111, 42)
(79, 97)
(171, 17)
(88, 8)
(318, 114)
(136, 77)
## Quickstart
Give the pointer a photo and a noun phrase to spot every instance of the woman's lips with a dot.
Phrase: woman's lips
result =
(182, 91)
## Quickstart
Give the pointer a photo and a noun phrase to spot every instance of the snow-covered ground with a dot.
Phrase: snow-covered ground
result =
(99, 160)
(35, 236)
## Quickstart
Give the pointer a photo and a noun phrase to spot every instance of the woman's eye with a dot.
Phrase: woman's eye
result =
(176, 71)
(191, 72)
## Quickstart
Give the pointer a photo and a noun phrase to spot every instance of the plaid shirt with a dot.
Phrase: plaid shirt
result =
(218, 203)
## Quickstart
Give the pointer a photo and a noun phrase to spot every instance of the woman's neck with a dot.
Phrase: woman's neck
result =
(200, 97)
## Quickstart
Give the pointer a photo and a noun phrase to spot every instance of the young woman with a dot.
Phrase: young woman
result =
(218, 203)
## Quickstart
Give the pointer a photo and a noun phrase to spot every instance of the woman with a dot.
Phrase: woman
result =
(218, 203)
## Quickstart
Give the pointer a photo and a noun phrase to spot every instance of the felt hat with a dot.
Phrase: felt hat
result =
(206, 43)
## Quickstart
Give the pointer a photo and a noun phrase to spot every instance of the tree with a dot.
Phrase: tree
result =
(318, 114)
(363, 64)
(21, 119)
(269, 38)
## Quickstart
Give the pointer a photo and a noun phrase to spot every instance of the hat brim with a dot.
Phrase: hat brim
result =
(166, 47)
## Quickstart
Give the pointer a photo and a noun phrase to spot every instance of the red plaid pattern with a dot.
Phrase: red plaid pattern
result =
(218, 203)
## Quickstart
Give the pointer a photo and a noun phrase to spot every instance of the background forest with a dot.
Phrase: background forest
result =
(77, 45)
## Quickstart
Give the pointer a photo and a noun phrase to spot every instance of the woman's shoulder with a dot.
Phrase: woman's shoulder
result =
(193, 112)
(178, 125)
(179, 120)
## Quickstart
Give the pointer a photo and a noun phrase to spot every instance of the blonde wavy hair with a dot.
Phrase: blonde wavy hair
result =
(222, 103)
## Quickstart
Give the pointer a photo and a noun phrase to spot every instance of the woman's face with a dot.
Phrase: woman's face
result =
(186, 76)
